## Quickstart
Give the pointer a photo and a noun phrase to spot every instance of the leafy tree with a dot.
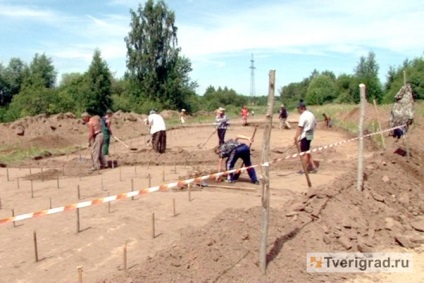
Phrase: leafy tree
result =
(322, 89)
(11, 80)
(223, 97)
(414, 71)
(155, 68)
(41, 72)
(367, 72)
(33, 100)
(99, 84)
(72, 91)
(347, 86)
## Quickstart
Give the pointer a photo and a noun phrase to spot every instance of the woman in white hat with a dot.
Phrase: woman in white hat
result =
(182, 116)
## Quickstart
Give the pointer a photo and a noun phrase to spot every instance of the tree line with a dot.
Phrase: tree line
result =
(325, 87)
(157, 76)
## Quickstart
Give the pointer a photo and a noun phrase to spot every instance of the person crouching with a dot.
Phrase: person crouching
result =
(233, 150)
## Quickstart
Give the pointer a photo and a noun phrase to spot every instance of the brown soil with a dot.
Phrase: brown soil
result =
(215, 235)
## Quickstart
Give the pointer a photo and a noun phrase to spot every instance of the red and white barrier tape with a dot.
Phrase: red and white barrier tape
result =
(179, 184)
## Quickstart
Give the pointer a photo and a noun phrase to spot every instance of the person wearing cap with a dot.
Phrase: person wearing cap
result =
(182, 116)
(106, 130)
(221, 124)
(244, 114)
(157, 130)
(305, 134)
(95, 140)
(283, 118)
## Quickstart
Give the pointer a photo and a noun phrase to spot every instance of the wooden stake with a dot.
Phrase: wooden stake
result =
(132, 188)
(189, 191)
(173, 205)
(379, 124)
(30, 171)
(57, 181)
(360, 176)
(32, 190)
(135, 170)
(125, 257)
(108, 203)
(80, 153)
(163, 173)
(404, 77)
(79, 192)
(79, 269)
(102, 185)
(42, 175)
(7, 174)
(304, 166)
(35, 247)
(150, 179)
(51, 203)
(265, 175)
(13, 215)
(78, 221)
(408, 154)
(153, 226)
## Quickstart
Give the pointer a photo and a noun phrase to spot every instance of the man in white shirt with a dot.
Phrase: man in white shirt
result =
(305, 134)
(158, 131)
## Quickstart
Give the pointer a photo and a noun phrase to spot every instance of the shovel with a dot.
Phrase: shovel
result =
(202, 145)
(82, 159)
(132, 148)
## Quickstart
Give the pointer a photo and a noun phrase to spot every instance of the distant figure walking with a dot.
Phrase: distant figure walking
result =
(221, 124)
(283, 118)
(244, 114)
(182, 116)
(327, 121)
(305, 134)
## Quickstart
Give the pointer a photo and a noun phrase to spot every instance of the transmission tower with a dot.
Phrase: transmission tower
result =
(252, 78)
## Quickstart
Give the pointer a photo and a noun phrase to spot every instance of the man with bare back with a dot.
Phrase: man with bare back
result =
(95, 140)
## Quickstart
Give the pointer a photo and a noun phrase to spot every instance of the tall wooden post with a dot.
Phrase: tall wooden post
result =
(265, 173)
(361, 139)
(379, 124)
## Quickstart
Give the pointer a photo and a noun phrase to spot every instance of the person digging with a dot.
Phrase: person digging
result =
(95, 140)
(232, 150)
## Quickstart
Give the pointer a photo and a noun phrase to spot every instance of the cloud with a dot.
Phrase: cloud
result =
(22, 12)
(344, 26)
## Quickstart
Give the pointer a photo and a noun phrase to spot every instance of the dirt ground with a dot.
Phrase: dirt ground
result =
(214, 234)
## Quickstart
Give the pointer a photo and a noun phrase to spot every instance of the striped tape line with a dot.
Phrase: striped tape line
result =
(165, 187)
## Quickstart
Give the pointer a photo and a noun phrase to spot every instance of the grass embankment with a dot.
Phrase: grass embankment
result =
(14, 155)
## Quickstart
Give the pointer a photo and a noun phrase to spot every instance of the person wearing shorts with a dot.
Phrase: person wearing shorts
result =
(305, 134)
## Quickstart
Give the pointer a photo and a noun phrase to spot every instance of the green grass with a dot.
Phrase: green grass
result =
(13, 155)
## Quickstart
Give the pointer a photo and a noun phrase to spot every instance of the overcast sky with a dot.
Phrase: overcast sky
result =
(293, 37)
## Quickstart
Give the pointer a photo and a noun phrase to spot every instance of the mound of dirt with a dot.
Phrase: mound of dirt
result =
(332, 218)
